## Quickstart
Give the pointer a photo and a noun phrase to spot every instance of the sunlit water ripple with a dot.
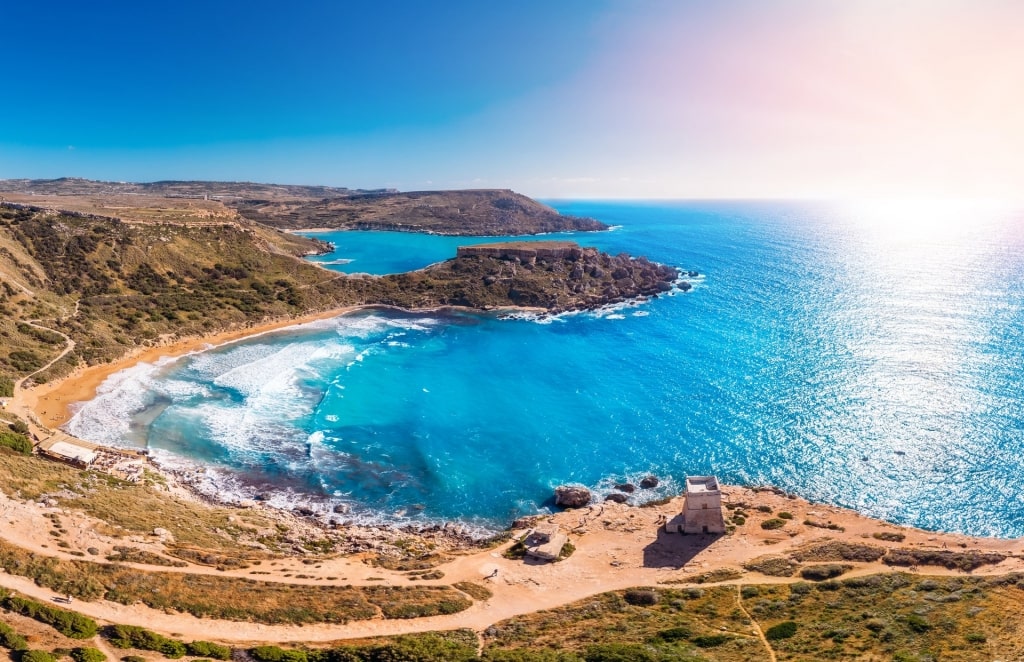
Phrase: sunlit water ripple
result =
(850, 357)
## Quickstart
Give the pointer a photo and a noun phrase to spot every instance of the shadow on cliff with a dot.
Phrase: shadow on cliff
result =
(674, 550)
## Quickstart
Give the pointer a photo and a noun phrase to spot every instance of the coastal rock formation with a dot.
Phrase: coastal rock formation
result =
(626, 487)
(617, 498)
(553, 275)
(572, 496)
(648, 482)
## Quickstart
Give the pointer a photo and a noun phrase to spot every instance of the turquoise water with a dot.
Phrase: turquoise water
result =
(380, 253)
(866, 357)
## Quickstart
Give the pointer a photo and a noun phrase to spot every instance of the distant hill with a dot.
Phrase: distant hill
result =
(485, 212)
(75, 186)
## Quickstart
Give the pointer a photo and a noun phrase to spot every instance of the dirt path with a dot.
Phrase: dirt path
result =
(757, 626)
(617, 547)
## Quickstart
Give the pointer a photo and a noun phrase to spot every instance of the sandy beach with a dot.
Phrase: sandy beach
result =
(52, 402)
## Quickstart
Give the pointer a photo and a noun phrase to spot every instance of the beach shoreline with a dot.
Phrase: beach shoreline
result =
(51, 402)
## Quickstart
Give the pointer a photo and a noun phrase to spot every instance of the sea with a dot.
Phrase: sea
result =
(864, 354)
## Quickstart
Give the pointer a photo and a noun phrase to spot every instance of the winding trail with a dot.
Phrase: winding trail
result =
(757, 626)
(617, 547)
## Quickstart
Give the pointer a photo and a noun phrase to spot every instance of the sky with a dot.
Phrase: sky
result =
(565, 99)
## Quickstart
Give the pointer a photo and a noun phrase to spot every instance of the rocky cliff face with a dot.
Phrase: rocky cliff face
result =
(556, 277)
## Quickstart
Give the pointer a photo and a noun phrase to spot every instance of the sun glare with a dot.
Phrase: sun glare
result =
(922, 219)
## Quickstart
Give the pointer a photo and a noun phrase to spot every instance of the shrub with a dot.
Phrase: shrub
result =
(6, 387)
(83, 654)
(975, 638)
(711, 640)
(785, 515)
(132, 636)
(16, 442)
(133, 658)
(641, 597)
(619, 653)
(19, 426)
(37, 656)
(277, 654)
(68, 623)
(918, 623)
(889, 536)
(819, 573)
(765, 509)
(773, 523)
(783, 630)
(207, 649)
(676, 634)
(10, 639)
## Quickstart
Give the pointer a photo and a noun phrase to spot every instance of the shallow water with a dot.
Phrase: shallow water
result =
(861, 358)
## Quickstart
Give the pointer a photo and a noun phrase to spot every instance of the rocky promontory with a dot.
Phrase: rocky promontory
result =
(555, 276)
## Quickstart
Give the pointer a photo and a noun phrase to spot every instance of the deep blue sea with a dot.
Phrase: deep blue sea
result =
(868, 356)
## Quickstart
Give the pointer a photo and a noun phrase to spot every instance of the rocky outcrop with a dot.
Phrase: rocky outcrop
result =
(572, 496)
(526, 252)
(616, 497)
(626, 487)
(648, 482)
(555, 276)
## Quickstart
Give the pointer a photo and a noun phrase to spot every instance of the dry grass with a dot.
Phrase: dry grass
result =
(232, 598)
(881, 617)
(132, 509)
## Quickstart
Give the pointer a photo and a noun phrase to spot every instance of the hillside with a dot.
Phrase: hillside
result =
(290, 207)
(88, 288)
(480, 212)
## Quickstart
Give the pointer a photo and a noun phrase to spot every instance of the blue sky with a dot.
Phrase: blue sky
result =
(585, 98)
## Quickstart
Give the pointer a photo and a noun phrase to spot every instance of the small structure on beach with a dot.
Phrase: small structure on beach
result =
(702, 511)
(545, 542)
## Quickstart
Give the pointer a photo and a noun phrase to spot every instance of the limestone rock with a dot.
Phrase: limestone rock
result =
(572, 496)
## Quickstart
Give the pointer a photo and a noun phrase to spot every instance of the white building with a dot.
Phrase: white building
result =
(702, 512)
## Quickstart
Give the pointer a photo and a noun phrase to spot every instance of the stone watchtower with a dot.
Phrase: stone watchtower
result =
(702, 512)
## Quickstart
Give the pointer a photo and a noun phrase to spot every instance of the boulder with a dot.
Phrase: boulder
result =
(629, 488)
(572, 496)
(685, 286)
(616, 497)
(692, 274)
(648, 482)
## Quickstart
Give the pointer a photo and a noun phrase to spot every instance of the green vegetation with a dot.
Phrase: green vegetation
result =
(208, 650)
(68, 623)
(783, 630)
(890, 536)
(130, 636)
(18, 443)
(454, 646)
(773, 523)
(820, 573)
(37, 656)
(88, 655)
(10, 639)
